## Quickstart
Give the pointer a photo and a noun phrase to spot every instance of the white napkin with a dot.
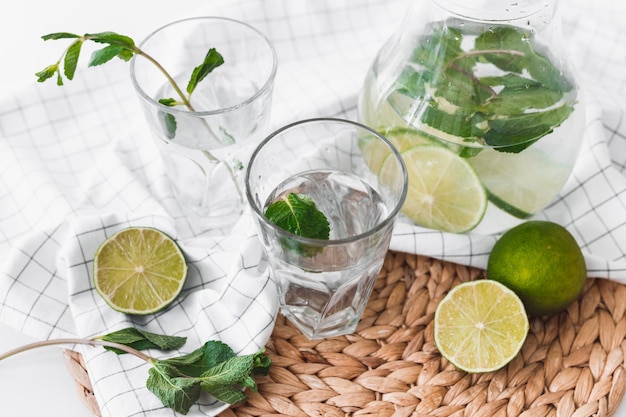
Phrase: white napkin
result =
(77, 164)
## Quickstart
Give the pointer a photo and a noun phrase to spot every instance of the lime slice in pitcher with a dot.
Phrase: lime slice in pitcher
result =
(375, 151)
(444, 192)
(522, 183)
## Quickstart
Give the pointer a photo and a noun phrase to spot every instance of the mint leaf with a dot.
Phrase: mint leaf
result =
(205, 357)
(225, 393)
(170, 102)
(112, 38)
(516, 133)
(104, 55)
(224, 380)
(141, 340)
(212, 60)
(168, 124)
(538, 66)
(71, 59)
(47, 72)
(213, 368)
(175, 390)
(513, 101)
(298, 214)
(59, 35)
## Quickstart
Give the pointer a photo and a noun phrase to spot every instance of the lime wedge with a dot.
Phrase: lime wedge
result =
(139, 270)
(521, 184)
(375, 151)
(402, 138)
(444, 192)
(480, 326)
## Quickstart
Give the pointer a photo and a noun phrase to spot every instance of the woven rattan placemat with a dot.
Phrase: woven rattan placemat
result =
(572, 363)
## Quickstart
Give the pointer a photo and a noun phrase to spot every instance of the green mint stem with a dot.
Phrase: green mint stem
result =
(169, 78)
(184, 99)
(76, 341)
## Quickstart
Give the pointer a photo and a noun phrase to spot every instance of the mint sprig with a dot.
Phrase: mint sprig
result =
(509, 111)
(178, 382)
(124, 48)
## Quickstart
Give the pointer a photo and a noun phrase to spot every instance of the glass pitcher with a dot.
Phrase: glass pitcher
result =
(480, 98)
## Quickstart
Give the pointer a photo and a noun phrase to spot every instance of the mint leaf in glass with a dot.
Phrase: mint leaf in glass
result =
(298, 214)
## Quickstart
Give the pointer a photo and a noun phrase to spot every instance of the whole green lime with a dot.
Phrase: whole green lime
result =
(542, 263)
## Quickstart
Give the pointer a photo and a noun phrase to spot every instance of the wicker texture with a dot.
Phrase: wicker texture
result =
(572, 363)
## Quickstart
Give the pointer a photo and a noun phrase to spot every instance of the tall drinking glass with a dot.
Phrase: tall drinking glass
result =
(204, 143)
(324, 285)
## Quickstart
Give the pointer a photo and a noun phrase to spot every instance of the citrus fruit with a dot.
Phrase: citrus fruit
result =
(444, 193)
(521, 184)
(542, 263)
(376, 151)
(480, 326)
(139, 270)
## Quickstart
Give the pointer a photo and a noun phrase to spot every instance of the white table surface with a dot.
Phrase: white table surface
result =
(40, 378)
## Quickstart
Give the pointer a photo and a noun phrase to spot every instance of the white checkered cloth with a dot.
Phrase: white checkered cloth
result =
(77, 164)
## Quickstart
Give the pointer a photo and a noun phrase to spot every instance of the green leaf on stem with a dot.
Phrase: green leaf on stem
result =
(106, 54)
(175, 390)
(47, 72)
(141, 340)
(112, 38)
(170, 102)
(71, 59)
(213, 368)
(60, 35)
(298, 214)
(212, 60)
(168, 124)
(205, 357)
(179, 382)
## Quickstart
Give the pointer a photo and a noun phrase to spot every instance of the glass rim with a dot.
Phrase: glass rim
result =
(264, 88)
(391, 216)
(509, 12)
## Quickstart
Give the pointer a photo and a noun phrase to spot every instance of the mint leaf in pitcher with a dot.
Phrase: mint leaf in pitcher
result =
(298, 214)
(495, 87)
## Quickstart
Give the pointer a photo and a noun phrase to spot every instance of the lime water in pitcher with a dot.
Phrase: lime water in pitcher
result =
(480, 99)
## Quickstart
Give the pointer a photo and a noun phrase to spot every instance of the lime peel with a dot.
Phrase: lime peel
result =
(542, 262)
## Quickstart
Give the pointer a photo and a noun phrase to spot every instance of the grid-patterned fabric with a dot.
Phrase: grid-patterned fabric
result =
(77, 164)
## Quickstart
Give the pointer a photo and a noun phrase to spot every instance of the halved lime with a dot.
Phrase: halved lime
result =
(444, 192)
(139, 270)
(521, 184)
(480, 326)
